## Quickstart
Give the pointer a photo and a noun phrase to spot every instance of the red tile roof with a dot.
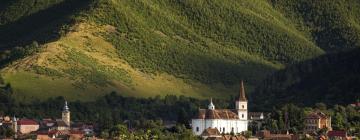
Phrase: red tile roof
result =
(27, 122)
(336, 134)
(210, 132)
(216, 114)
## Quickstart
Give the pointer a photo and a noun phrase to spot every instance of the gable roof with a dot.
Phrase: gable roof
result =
(210, 132)
(317, 115)
(27, 122)
(216, 114)
(337, 134)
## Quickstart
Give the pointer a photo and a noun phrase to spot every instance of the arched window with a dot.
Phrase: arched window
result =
(242, 115)
(197, 129)
(243, 106)
(224, 129)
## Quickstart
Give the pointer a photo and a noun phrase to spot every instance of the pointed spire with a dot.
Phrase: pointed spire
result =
(66, 108)
(211, 105)
(242, 92)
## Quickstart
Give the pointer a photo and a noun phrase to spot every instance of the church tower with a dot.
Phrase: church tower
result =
(211, 106)
(241, 103)
(14, 125)
(66, 114)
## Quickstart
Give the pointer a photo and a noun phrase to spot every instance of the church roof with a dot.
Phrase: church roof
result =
(242, 92)
(217, 114)
(27, 122)
(210, 132)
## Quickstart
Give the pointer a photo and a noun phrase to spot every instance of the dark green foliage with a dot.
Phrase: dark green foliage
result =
(6, 132)
(18, 53)
(333, 24)
(332, 79)
(343, 118)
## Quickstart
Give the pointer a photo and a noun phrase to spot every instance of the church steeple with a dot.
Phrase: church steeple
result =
(242, 92)
(211, 105)
(66, 114)
(241, 103)
(66, 108)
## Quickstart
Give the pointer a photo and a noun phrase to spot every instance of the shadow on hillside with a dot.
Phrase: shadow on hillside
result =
(4, 4)
(42, 26)
(331, 78)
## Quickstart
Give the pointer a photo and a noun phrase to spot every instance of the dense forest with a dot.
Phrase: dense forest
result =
(332, 79)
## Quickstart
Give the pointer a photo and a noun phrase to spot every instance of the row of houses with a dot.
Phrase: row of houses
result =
(49, 128)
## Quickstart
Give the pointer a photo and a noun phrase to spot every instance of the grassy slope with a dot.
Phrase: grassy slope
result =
(84, 66)
(190, 47)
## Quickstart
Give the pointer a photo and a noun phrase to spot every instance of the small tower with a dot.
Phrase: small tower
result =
(14, 124)
(211, 105)
(66, 114)
(241, 103)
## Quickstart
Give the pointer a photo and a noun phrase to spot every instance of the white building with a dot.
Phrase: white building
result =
(225, 120)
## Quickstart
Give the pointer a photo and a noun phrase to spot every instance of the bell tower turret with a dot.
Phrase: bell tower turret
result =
(66, 114)
(241, 103)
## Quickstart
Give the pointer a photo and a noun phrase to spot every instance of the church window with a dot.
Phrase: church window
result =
(197, 129)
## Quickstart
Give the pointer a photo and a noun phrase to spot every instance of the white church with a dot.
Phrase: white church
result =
(224, 120)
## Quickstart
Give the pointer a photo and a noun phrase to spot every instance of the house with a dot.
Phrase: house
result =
(26, 126)
(338, 135)
(60, 125)
(76, 135)
(316, 121)
(357, 104)
(224, 120)
(266, 135)
(256, 116)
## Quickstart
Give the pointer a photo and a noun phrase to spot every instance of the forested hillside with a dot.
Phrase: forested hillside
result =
(146, 48)
(331, 79)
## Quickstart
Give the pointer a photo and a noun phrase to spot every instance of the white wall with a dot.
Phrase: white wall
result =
(238, 125)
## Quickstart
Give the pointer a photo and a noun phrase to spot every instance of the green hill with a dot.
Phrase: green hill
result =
(148, 48)
(331, 79)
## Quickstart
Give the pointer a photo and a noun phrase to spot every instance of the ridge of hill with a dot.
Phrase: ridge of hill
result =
(205, 45)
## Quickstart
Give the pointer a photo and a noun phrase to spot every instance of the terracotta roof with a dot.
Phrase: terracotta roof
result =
(355, 104)
(210, 132)
(27, 122)
(317, 115)
(216, 114)
(242, 92)
(229, 137)
(337, 134)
